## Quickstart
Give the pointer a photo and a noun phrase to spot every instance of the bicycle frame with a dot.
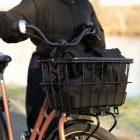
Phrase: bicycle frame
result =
(42, 122)
(45, 119)
(41, 125)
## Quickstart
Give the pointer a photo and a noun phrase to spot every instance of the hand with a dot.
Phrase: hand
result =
(5, 25)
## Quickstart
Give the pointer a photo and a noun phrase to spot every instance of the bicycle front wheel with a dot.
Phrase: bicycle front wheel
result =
(82, 131)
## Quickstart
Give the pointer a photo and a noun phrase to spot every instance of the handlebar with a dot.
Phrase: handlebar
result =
(87, 29)
(62, 42)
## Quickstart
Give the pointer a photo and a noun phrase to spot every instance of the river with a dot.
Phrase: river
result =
(16, 72)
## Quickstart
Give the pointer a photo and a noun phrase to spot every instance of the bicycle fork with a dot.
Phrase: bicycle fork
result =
(6, 107)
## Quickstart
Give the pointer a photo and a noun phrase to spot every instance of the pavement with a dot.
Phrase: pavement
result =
(19, 124)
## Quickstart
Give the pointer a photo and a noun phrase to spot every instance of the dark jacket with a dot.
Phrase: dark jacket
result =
(58, 19)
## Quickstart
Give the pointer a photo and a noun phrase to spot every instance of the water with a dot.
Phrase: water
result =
(16, 72)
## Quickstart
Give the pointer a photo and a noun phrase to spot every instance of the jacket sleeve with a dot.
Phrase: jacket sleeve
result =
(91, 40)
(26, 10)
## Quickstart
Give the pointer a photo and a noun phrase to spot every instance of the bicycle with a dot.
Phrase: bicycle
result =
(72, 124)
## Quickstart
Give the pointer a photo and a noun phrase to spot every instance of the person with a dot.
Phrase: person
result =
(57, 19)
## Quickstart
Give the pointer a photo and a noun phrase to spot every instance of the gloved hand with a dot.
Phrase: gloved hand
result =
(5, 25)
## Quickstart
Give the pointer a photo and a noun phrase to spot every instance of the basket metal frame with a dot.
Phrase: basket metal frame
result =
(82, 61)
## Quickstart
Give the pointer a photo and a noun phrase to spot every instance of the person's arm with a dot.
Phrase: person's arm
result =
(92, 41)
(26, 10)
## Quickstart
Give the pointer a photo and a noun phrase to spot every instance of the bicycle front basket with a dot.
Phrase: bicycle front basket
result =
(80, 83)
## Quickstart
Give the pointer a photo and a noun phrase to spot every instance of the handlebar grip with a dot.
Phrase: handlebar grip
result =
(20, 26)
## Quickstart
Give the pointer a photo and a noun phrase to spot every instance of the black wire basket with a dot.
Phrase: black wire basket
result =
(85, 82)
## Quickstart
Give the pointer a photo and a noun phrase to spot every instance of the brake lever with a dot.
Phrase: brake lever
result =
(93, 32)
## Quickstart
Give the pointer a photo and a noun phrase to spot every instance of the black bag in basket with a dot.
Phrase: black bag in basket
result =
(98, 89)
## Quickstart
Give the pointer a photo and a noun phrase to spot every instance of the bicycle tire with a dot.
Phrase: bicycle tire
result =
(80, 130)
(3, 128)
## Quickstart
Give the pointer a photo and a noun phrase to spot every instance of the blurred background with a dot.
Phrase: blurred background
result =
(121, 22)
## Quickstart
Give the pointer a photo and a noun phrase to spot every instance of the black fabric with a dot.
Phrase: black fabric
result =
(5, 23)
(34, 94)
(7, 33)
(45, 15)
(113, 72)
(58, 19)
